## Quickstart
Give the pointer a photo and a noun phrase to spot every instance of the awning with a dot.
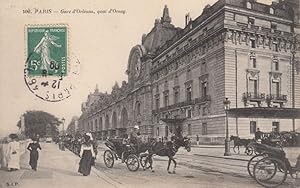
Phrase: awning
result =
(265, 112)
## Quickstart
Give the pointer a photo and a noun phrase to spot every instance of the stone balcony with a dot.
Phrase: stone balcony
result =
(182, 104)
(276, 98)
(253, 97)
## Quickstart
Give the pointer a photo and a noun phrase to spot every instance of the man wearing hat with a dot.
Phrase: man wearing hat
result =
(134, 137)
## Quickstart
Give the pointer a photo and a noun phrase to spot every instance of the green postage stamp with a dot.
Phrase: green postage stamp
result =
(47, 51)
(50, 69)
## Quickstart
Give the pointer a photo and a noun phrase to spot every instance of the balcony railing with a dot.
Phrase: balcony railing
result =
(254, 96)
(203, 99)
(184, 103)
(277, 98)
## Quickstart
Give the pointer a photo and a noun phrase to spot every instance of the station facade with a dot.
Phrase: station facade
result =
(242, 50)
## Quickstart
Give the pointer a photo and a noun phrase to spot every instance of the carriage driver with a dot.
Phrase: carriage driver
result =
(135, 137)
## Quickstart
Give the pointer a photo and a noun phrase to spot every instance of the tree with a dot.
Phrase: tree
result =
(40, 123)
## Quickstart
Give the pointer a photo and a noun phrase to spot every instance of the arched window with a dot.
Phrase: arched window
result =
(106, 122)
(96, 124)
(114, 120)
(124, 118)
(271, 10)
(137, 110)
(249, 5)
(100, 124)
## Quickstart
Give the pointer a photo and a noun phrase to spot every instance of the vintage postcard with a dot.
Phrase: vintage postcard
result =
(162, 93)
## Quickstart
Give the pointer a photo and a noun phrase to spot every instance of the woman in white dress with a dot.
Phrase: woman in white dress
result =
(13, 157)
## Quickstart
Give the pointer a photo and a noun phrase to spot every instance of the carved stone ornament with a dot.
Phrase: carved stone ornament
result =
(253, 74)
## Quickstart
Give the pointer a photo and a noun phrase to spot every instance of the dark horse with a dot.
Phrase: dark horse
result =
(239, 142)
(168, 149)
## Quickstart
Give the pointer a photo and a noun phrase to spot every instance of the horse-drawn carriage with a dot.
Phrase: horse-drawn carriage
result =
(134, 157)
(270, 166)
(127, 153)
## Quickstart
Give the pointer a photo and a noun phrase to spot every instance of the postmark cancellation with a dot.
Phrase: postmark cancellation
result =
(51, 70)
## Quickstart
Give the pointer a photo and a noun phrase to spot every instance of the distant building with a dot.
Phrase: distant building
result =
(178, 78)
(73, 127)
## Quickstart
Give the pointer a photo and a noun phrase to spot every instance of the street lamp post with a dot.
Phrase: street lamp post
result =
(227, 141)
(63, 134)
(293, 50)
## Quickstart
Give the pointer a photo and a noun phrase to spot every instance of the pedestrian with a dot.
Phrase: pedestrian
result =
(135, 138)
(258, 135)
(86, 154)
(95, 146)
(4, 152)
(13, 157)
(34, 154)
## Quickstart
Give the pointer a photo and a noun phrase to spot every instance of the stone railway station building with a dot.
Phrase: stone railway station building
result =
(242, 50)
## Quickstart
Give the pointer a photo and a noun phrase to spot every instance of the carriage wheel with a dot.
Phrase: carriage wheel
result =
(108, 158)
(145, 162)
(132, 162)
(252, 162)
(266, 172)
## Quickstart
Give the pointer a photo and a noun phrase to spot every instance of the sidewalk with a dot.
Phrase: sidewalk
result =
(55, 169)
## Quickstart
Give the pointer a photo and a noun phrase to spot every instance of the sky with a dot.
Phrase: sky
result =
(101, 42)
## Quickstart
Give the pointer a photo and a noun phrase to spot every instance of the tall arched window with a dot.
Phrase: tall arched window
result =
(101, 124)
(114, 120)
(96, 124)
(137, 110)
(106, 122)
(124, 118)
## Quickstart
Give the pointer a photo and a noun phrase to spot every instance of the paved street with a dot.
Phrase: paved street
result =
(202, 167)
(56, 169)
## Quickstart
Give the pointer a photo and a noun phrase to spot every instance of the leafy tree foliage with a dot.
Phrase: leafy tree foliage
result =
(40, 123)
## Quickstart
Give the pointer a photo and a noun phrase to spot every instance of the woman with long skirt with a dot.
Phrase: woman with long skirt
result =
(86, 154)
(13, 160)
(34, 153)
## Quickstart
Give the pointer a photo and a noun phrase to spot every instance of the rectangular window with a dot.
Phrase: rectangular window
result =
(275, 47)
(275, 127)
(252, 43)
(176, 96)
(204, 128)
(253, 87)
(253, 62)
(189, 93)
(251, 21)
(157, 102)
(203, 67)
(252, 127)
(157, 131)
(189, 129)
(166, 99)
(275, 89)
(204, 89)
(275, 65)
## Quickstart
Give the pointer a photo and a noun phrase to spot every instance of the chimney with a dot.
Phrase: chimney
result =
(187, 19)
